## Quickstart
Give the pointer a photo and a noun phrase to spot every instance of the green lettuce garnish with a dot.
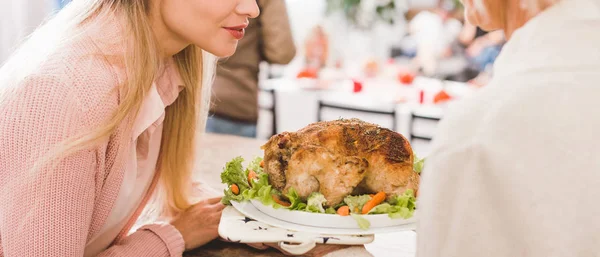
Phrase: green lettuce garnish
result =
(255, 165)
(362, 222)
(418, 164)
(315, 203)
(295, 201)
(407, 200)
(233, 173)
(383, 209)
(330, 210)
(404, 213)
(265, 196)
(257, 184)
(402, 206)
(356, 203)
(262, 191)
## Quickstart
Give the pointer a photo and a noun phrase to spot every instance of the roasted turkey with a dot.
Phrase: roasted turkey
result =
(340, 158)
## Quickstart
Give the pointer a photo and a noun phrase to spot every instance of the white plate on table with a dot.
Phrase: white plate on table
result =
(297, 221)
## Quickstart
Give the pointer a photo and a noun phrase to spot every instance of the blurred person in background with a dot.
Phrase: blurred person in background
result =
(435, 32)
(513, 169)
(235, 90)
(316, 49)
(481, 50)
(482, 47)
(99, 111)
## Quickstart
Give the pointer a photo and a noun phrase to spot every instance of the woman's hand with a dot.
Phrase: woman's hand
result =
(199, 224)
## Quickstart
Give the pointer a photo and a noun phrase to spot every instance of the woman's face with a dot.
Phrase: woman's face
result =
(486, 14)
(213, 25)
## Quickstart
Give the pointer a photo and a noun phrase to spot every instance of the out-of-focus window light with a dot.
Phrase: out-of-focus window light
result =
(62, 3)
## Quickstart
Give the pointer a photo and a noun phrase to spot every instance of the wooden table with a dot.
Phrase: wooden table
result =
(213, 153)
(219, 248)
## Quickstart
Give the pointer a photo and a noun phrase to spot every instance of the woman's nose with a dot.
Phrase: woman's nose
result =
(248, 8)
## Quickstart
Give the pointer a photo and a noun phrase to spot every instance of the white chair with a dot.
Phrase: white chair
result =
(267, 117)
(385, 117)
(423, 123)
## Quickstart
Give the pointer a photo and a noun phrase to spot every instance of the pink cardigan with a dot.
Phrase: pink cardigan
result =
(56, 212)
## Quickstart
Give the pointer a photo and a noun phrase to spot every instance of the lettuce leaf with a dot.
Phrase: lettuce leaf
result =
(257, 184)
(399, 207)
(264, 196)
(230, 196)
(403, 205)
(407, 200)
(403, 213)
(255, 165)
(418, 164)
(383, 208)
(363, 223)
(262, 180)
(296, 202)
(233, 173)
(356, 203)
(330, 210)
(315, 203)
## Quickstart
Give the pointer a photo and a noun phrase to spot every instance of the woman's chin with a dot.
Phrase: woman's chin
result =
(225, 50)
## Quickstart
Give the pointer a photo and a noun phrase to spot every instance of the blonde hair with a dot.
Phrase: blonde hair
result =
(184, 119)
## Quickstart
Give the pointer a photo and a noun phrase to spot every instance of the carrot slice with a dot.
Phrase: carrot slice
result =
(280, 202)
(235, 189)
(262, 163)
(376, 200)
(251, 175)
(344, 211)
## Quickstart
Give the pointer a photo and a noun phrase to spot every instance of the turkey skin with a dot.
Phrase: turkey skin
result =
(340, 158)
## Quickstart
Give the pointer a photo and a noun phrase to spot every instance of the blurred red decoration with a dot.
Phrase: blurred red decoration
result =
(358, 87)
(421, 96)
(308, 73)
(406, 78)
(441, 97)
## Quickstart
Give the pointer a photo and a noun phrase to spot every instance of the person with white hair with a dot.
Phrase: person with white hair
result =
(513, 170)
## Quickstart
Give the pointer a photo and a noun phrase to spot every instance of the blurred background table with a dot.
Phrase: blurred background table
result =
(288, 104)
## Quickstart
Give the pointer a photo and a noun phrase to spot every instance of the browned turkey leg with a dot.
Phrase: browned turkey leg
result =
(316, 169)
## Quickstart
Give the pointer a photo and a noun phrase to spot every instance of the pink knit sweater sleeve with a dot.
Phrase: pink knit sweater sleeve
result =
(50, 212)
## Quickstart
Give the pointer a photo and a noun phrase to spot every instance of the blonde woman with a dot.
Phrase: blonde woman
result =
(515, 168)
(98, 113)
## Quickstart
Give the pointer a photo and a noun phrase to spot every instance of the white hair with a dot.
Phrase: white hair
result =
(532, 6)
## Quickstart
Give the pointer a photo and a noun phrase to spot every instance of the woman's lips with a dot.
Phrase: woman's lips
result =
(238, 31)
(237, 34)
